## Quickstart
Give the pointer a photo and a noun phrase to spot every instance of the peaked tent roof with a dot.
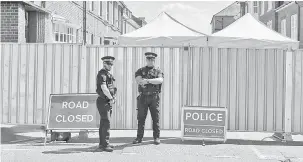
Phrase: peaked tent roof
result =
(163, 30)
(248, 32)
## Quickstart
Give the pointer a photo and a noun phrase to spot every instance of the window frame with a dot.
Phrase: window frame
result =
(269, 24)
(262, 7)
(283, 27)
(63, 33)
(271, 5)
(255, 7)
(294, 26)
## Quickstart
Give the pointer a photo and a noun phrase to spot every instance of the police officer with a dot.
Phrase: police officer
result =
(149, 79)
(106, 91)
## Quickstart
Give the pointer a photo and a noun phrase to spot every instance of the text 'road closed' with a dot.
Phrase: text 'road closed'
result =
(74, 118)
(205, 131)
(73, 111)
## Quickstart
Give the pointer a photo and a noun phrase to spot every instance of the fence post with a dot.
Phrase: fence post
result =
(288, 95)
(83, 134)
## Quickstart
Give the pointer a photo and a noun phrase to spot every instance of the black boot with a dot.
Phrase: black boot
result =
(107, 148)
(137, 140)
(157, 141)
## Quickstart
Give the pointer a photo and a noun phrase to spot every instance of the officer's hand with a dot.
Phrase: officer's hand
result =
(143, 82)
(111, 102)
(114, 99)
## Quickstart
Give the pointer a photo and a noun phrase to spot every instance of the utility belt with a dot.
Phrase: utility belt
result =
(112, 92)
(104, 97)
(149, 93)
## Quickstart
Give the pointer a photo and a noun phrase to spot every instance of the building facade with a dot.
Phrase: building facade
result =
(227, 16)
(285, 17)
(253, 8)
(62, 21)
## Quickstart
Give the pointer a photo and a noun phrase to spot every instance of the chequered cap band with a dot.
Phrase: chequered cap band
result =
(107, 60)
(150, 55)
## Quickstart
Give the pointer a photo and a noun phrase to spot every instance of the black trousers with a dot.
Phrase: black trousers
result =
(151, 102)
(105, 111)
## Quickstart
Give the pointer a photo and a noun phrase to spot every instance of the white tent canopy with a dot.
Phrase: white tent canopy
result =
(248, 32)
(163, 30)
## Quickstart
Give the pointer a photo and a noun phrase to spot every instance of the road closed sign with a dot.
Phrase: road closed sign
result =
(205, 123)
(73, 111)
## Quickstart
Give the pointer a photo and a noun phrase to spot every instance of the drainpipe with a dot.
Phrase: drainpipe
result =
(299, 18)
(84, 22)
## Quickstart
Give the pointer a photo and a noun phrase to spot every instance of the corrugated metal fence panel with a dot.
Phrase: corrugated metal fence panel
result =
(30, 73)
(297, 99)
(250, 83)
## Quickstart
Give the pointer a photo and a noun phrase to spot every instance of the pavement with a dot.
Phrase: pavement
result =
(25, 143)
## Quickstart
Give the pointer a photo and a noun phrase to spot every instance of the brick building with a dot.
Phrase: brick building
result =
(285, 17)
(62, 21)
(227, 16)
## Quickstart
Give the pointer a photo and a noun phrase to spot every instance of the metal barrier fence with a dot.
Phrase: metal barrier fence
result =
(297, 92)
(249, 82)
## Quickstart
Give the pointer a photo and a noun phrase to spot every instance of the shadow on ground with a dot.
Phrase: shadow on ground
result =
(175, 140)
(9, 134)
(121, 143)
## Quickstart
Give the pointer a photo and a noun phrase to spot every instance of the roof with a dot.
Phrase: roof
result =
(249, 31)
(285, 4)
(164, 25)
(231, 10)
(34, 7)
(163, 30)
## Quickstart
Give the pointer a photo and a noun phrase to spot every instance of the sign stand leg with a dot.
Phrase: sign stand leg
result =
(45, 137)
(203, 144)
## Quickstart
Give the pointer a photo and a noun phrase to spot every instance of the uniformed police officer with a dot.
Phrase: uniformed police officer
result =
(106, 91)
(149, 79)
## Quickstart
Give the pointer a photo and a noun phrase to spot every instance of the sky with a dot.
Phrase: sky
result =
(194, 14)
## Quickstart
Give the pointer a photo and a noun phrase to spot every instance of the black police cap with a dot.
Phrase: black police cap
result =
(108, 58)
(151, 54)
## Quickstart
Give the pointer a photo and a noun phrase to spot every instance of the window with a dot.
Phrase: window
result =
(294, 27)
(92, 6)
(70, 36)
(120, 12)
(100, 40)
(87, 40)
(124, 27)
(100, 8)
(255, 6)
(107, 11)
(269, 24)
(283, 27)
(56, 32)
(92, 39)
(106, 42)
(269, 5)
(64, 34)
(262, 7)
(111, 10)
(114, 13)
